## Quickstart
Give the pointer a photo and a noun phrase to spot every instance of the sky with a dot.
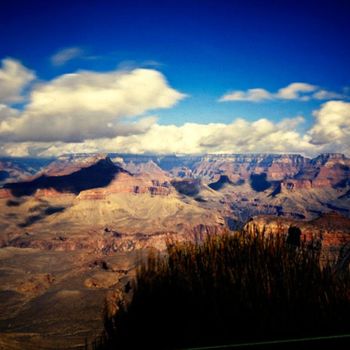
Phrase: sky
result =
(183, 77)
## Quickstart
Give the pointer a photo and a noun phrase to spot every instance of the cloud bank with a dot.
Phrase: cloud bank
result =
(113, 112)
(329, 133)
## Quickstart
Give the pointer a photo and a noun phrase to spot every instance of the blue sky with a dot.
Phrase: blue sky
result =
(205, 49)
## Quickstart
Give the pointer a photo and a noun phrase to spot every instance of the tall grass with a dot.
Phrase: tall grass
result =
(231, 289)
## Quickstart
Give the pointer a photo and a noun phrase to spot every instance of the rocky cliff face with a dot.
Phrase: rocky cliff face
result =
(295, 185)
(71, 163)
(18, 169)
(277, 167)
(286, 185)
(324, 170)
(91, 178)
(331, 230)
(94, 175)
(149, 169)
(127, 183)
(11, 172)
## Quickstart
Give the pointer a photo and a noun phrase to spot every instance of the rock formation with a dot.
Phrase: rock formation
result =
(73, 231)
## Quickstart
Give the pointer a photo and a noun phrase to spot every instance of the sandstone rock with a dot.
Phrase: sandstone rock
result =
(102, 280)
(114, 301)
(36, 284)
(331, 230)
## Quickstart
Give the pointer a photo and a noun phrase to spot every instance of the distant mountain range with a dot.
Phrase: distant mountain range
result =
(285, 185)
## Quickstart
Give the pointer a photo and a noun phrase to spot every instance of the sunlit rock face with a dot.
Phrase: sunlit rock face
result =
(330, 232)
(277, 167)
(331, 166)
(236, 186)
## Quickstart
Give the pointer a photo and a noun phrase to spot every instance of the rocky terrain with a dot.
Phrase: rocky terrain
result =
(73, 229)
(330, 233)
(250, 184)
(17, 169)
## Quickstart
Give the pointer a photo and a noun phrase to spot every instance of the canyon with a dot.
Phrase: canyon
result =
(73, 229)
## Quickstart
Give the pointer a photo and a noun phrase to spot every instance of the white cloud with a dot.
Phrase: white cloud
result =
(332, 126)
(88, 105)
(330, 133)
(7, 112)
(193, 138)
(90, 112)
(16, 149)
(14, 77)
(253, 95)
(293, 91)
(327, 95)
(65, 55)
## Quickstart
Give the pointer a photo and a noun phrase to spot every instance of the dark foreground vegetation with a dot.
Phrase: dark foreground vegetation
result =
(231, 289)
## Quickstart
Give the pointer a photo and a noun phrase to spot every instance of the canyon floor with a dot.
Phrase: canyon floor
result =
(58, 272)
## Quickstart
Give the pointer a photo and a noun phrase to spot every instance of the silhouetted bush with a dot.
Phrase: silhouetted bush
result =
(230, 289)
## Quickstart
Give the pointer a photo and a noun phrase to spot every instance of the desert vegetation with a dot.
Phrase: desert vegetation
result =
(231, 289)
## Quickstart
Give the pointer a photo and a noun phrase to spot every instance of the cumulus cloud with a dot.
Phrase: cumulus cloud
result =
(239, 136)
(327, 95)
(194, 138)
(293, 91)
(14, 77)
(7, 112)
(22, 149)
(332, 126)
(65, 55)
(253, 95)
(329, 133)
(90, 112)
(88, 105)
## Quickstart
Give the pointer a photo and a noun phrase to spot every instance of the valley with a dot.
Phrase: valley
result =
(74, 229)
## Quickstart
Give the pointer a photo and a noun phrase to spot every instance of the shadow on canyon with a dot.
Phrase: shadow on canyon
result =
(98, 175)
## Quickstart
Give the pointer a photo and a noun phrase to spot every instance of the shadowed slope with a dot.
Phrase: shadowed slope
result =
(188, 187)
(259, 182)
(99, 174)
(223, 180)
